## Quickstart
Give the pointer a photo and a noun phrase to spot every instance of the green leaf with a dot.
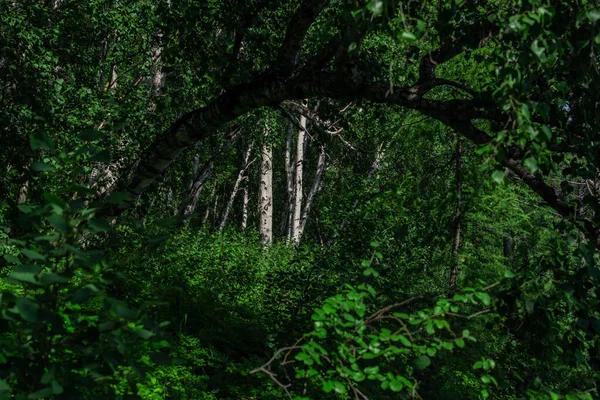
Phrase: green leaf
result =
(41, 140)
(593, 15)
(509, 274)
(47, 377)
(531, 164)
(56, 387)
(24, 208)
(123, 311)
(23, 277)
(404, 340)
(99, 225)
(460, 343)
(529, 305)
(56, 201)
(27, 309)
(422, 362)
(372, 370)
(538, 51)
(375, 6)
(144, 334)
(51, 277)
(40, 394)
(485, 298)
(395, 385)
(39, 166)
(4, 386)
(117, 197)
(58, 222)
(498, 176)
(358, 376)
(547, 132)
(408, 36)
(33, 255)
(12, 259)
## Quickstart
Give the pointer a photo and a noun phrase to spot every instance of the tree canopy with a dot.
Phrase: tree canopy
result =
(305, 198)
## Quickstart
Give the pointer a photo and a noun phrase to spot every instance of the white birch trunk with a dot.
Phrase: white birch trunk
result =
(195, 189)
(112, 84)
(236, 187)
(158, 77)
(265, 200)
(245, 205)
(313, 191)
(298, 174)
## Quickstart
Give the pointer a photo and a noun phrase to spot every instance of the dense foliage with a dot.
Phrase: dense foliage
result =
(310, 199)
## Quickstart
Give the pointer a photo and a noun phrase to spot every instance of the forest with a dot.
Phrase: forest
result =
(299, 199)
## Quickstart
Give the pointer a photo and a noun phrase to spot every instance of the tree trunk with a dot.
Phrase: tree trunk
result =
(313, 191)
(245, 206)
(265, 200)
(236, 187)
(23, 191)
(195, 189)
(458, 218)
(158, 77)
(288, 212)
(298, 174)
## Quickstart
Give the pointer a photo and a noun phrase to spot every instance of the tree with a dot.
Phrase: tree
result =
(348, 79)
(440, 134)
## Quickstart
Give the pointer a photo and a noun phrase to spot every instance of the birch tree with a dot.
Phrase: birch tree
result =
(265, 193)
(236, 187)
(288, 212)
(312, 193)
(298, 175)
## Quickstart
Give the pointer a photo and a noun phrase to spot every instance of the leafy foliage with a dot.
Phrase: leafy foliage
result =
(450, 198)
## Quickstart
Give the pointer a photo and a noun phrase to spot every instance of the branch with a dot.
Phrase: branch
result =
(536, 183)
(264, 91)
(326, 126)
(296, 31)
(449, 49)
(242, 99)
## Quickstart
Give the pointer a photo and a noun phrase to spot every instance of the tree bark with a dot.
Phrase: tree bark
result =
(298, 182)
(194, 192)
(23, 191)
(312, 193)
(265, 200)
(245, 205)
(288, 212)
(457, 219)
(236, 187)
